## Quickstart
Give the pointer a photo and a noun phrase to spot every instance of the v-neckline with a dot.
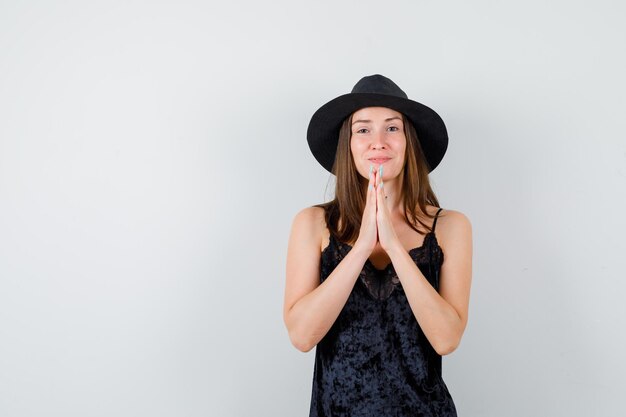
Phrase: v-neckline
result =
(390, 264)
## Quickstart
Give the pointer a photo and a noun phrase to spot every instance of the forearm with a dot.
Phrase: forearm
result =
(313, 315)
(437, 318)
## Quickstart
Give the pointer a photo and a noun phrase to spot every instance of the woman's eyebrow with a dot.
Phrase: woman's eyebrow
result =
(369, 121)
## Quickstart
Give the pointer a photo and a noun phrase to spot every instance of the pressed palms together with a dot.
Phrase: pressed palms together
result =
(376, 226)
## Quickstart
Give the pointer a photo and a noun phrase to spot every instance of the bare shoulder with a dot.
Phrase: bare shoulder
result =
(310, 217)
(303, 255)
(453, 226)
(454, 235)
(452, 217)
(310, 224)
(310, 214)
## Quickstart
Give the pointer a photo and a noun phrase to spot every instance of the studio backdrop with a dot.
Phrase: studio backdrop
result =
(153, 156)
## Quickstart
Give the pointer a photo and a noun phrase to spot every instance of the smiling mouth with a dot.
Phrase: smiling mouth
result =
(380, 160)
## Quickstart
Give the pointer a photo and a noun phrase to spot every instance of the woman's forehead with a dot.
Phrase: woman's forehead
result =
(376, 112)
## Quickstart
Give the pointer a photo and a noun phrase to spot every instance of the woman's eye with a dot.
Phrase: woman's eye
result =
(393, 128)
(361, 130)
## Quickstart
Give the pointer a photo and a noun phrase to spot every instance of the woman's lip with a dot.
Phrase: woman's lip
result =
(380, 160)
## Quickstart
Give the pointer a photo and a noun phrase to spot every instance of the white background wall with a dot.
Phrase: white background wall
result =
(153, 155)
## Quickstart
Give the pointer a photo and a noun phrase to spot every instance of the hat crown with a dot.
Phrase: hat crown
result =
(378, 84)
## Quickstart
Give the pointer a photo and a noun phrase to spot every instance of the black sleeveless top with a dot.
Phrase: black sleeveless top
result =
(375, 360)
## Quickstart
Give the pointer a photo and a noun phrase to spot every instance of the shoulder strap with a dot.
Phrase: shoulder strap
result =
(436, 217)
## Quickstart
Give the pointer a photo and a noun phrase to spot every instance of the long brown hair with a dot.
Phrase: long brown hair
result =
(344, 213)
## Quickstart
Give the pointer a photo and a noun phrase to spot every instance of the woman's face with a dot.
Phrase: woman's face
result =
(378, 132)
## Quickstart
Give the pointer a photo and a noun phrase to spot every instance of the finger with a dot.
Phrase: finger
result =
(381, 169)
(370, 199)
(380, 195)
(370, 187)
(374, 190)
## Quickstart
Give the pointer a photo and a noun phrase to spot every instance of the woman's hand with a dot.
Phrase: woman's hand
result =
(368, 233)
(386, 234)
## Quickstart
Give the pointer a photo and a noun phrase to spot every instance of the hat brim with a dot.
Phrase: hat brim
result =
(323, 130)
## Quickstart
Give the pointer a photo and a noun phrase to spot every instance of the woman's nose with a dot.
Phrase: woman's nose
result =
(378, 140)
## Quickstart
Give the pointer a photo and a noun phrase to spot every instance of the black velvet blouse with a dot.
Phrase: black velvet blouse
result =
(375, 360)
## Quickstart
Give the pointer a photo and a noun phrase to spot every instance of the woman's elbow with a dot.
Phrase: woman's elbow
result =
(300, 343)
(299, 340)
(447, 347)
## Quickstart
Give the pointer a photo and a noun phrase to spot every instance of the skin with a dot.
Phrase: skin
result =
(379, 131)
(310, 308)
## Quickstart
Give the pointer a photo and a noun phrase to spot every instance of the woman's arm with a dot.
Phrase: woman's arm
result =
(311, 308)
(442, 316)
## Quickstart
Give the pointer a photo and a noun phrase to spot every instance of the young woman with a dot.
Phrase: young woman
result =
(369, 283)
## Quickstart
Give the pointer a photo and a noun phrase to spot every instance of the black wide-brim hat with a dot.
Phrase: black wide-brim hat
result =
(375, 91)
